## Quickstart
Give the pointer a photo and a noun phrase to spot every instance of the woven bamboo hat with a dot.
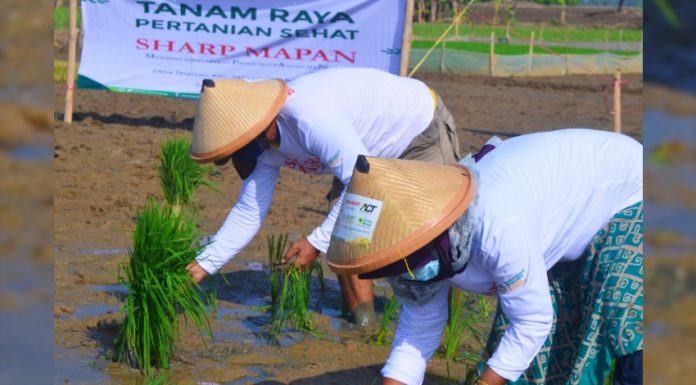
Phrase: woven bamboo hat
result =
(231, 113)
(393, 207)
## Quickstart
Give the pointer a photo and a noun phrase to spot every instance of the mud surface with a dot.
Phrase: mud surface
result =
(105, 167)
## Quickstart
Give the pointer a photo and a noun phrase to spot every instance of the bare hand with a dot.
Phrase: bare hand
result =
(304, 252)
(196, 272)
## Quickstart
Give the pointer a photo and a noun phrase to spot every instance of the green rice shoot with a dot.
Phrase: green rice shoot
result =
(454, 329)
(384, 334)
(180, 175)
(160, 289)
(463, 325)
(158, 379)
(290, 292)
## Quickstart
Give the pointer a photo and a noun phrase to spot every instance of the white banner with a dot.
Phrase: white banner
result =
(169, 47)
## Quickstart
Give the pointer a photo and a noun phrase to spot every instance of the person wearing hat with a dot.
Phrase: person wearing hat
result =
(318, 123)
(551, 223)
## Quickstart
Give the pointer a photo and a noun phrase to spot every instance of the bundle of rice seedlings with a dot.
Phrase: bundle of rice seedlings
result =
(289, 292)
(384, 334)
(180, 175)
(159, 288)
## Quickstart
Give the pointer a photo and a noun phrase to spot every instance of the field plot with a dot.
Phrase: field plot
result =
(106, 167)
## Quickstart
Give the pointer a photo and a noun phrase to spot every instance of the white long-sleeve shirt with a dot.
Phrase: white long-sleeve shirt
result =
(542, 197)
(329, 118)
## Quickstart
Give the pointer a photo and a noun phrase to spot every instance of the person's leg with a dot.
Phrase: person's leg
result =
(629, 369)
(358, 295)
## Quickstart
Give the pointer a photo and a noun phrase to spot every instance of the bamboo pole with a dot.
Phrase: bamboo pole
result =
(456, 20)
(491, 62)
(531, 54)
(70, 81)
(617, 101)
(406, 39)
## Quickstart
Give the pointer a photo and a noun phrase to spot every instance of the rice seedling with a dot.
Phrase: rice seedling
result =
(180, 175)
(460, 326)
(159, 379)
(289, 292)
(159, 288)
(454, 330)
(384, 334)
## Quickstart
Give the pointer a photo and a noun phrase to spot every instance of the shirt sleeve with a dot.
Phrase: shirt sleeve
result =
(417, 336)
(518, 270)
(243, 221)
(338, 146)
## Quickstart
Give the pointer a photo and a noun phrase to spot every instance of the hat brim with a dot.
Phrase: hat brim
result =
(417, 239)
(248, 135)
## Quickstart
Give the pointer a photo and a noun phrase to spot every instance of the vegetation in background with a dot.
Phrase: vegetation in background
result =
(180, 175)
(159, 288)
(515, 49)
(289, 292)
(384, 334)
(61, 18)
(432, 31)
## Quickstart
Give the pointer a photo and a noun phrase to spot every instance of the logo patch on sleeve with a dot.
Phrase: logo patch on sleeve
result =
(513, 283)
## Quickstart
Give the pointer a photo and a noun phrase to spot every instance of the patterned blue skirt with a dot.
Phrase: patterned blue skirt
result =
(598, 308)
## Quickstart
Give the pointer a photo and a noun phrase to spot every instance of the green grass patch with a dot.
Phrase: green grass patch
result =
(516, 49)
(180, 175)
(61, 18)
(160, 290)
(550, 34)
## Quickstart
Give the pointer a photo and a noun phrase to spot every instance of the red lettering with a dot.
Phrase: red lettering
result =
(142, 43)
(302, 51)
(207, 48)
(186, 47)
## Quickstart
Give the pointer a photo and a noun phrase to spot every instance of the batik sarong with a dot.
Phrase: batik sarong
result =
(598, 308)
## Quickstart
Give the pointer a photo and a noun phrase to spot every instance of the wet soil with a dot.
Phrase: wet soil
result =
(105, 167)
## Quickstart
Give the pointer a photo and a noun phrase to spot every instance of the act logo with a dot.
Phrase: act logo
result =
(368, 208)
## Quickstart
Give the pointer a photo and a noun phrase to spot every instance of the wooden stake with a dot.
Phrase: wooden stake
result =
(531, 54)
(406, 39)
(442, 56)
(606, 51)
(70, 81)
(617, 101)
(565, 43)
(491, 62)
(618, 48)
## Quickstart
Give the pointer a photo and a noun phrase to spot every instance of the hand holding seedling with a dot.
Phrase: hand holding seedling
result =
(303, 252)
(196, 272)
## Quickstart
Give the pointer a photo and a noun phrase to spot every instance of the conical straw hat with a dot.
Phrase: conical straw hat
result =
(392, 208)
(231, 113)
